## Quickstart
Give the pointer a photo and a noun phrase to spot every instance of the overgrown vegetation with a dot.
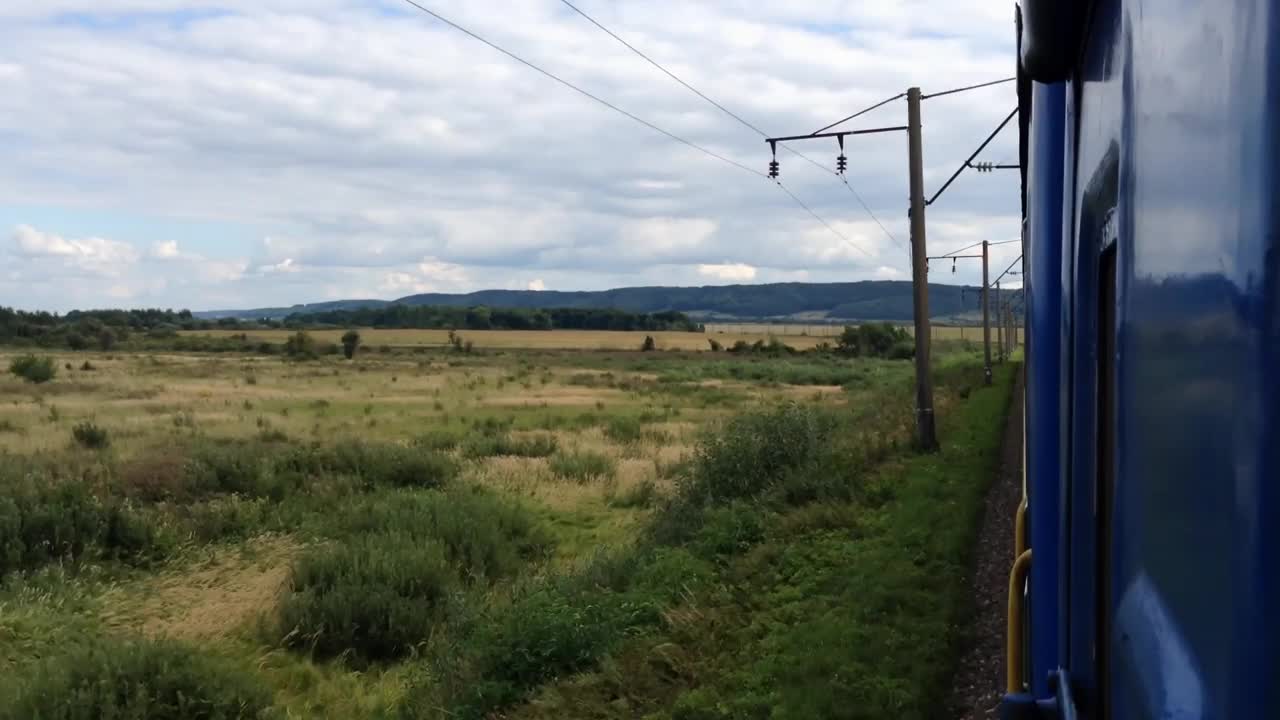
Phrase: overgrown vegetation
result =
(134, 680)
(405, 563)
(789, 577)
(384, 586)
(583, 465)
(45, 518)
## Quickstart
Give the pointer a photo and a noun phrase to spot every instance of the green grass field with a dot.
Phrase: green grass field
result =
(525, 534)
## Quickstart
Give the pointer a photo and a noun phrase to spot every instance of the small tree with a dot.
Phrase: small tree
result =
(76, 341)
(300, 346)
(350, 342)
(106, 339)
(33, 369)
(649, 345)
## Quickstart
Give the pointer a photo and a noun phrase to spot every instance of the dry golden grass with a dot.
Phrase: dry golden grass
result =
(212, 599)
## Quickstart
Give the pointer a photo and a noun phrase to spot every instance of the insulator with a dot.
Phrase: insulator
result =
(773, 168)
(953, 266)
(842, 164)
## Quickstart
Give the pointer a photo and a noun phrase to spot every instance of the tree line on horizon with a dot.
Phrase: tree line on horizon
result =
(107, 329)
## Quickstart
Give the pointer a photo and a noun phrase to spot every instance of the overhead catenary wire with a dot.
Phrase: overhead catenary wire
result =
(742, 120)
(861, 112)
(969, 247)
(656, 64)
(583, 92)
(967, 88)
(637, 119)
(819, 218)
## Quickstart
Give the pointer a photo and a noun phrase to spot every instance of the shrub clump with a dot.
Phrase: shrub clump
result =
(480, 445)
(44, 520)
(380, 591)
(624, 429)
(33, 369)
(375, 596)
(135, 680)
(272, 469)
(756, 451)
(883, 340)
(583, 465)
(89, 435)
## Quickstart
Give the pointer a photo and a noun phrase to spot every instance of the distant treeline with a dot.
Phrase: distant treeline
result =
(109, 329)
(486, 318)
(97, 329)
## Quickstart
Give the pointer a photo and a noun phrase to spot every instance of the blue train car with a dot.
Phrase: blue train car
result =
(1150, 584)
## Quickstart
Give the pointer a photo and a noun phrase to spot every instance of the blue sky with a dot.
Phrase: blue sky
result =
(238, 153)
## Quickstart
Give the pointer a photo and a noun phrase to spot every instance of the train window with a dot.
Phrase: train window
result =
(1106, 448)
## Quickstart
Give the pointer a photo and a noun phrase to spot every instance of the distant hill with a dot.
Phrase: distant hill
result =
(812, 302)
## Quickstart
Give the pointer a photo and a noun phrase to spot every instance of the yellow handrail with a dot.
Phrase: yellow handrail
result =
(1020, 529)
(1013, 630)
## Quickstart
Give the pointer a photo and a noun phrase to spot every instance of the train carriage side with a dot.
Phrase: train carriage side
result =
(1152, 158)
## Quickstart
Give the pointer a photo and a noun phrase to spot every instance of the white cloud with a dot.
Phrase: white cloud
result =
(88, 255)
(166, 250)
(884, 272)
(536, 284)
(284, 266)
(363, 141)
(729, 271)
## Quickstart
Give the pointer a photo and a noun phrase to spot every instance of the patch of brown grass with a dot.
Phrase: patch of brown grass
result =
(213, 600)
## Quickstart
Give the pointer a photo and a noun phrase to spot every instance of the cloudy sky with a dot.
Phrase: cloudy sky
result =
(241, 153)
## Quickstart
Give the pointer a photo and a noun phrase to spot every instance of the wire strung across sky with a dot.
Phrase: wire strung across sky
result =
(644, 122)
(967, 88)
(579, 90)
(818, 217)
(970, 247)
(886, 101)
(735, 116)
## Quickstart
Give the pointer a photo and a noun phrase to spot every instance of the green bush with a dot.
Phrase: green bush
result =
(484, 536)
(583, 465)
(301, 346)
(238, 467)
(44, 520)
(385, 585)
(378, 464)
(374, 596)
(624, 429)
(134, 680)
(439, 440)
(89, 435)
(350, 342)
(274, 469)
(756, 451)
(883, 340)
(33, 369)
(553, 629)
(478, 445)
